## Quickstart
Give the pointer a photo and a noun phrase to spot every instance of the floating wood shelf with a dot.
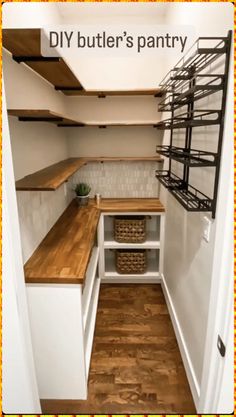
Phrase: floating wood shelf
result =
(43, 116)
(24, 44)
(157, 92)
(61, 121)
(52, 177)
(104, 125)
(88, 159)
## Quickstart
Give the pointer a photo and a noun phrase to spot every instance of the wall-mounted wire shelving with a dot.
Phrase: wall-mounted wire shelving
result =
(189, 81)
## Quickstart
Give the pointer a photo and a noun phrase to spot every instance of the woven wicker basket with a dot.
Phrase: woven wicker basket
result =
(131, 261)
(130, 229)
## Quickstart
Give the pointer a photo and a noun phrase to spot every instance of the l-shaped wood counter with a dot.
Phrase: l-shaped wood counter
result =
(63, 278)
(63, 255)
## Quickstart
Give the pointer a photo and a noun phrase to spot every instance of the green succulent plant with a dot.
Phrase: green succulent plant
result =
(82, 189)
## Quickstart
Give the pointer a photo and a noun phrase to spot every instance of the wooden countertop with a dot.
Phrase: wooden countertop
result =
(63, 255)
(130, 204)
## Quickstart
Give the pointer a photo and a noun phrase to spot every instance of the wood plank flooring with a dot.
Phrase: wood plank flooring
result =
(136, 367)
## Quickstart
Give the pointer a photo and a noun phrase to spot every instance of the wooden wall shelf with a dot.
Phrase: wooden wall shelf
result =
(39, 115)
(52, 177)
(43, 116)
(157, 92)
(24, 44)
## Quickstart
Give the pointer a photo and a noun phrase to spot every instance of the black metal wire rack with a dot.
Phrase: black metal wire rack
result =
(191, 158)
(203, 53)
(190, 198)
(190, 119)
(188, 82)
(204, 85)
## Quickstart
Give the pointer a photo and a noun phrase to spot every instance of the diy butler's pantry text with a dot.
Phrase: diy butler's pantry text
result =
(104, 40)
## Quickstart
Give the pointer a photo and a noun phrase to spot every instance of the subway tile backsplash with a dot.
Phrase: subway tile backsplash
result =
(120, 179)
(39, 210)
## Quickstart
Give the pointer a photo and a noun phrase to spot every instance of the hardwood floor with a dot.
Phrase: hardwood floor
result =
(136, 367)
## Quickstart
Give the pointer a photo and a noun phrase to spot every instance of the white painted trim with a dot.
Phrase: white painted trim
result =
(89, 283)
(162, 244)
(19, 391)
(90, 329)
(193, 383)
(100, 237)
(129, 280)
(220, 308)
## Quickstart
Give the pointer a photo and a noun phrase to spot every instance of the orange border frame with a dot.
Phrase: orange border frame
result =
(116, 1)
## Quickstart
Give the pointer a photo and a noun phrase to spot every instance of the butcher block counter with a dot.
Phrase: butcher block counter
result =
(63, 255)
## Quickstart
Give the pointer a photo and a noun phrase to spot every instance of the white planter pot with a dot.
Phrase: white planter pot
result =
(82, 200)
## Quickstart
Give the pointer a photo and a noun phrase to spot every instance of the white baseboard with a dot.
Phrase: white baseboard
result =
(193, 383)
(129, 280)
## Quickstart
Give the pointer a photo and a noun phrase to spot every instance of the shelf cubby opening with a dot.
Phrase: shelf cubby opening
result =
(152, 270)
(152, 234)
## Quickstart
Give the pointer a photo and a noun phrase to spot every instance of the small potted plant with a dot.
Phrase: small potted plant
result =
(82, 191)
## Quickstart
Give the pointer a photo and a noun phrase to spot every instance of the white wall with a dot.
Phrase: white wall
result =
(19, 390)
(113, 141)
(34, 146)
(114, 72)
(188, 258)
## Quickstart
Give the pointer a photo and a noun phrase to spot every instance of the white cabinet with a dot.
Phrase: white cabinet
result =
(153, 244)
(62, 319)
(62, 316)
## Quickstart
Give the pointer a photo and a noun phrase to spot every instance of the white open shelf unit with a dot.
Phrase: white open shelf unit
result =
(153, 244)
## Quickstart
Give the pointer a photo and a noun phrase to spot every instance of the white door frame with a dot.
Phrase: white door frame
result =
(19, 385)
(221, 295)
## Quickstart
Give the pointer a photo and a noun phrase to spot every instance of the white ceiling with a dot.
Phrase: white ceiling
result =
(114, 72)
(81, 12)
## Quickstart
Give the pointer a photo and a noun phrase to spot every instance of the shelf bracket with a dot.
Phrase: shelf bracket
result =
(39, 119)
(25, 58)
(63, 88)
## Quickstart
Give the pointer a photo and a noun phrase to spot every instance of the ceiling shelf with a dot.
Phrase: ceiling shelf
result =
(24, 44)
(52, 177)
(61, 121)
